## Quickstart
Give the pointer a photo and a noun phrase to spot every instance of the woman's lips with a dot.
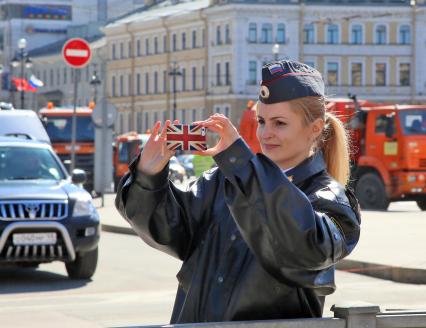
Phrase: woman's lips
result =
(270, 147)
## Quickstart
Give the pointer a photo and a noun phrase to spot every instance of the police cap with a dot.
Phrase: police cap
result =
(285, 80)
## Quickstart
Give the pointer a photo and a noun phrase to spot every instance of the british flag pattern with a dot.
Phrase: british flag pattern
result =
(186, 137)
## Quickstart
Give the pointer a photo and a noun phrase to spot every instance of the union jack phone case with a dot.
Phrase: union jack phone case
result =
(186, 137)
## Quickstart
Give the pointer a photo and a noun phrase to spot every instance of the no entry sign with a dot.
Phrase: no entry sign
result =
(76, 52)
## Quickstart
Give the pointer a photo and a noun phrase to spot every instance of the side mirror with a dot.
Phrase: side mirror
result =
(389, 127)
(78, 176)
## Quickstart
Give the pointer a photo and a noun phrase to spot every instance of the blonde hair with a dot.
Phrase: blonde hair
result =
(333, 141)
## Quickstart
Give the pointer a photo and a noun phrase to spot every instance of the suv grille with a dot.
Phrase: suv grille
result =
(33, 210)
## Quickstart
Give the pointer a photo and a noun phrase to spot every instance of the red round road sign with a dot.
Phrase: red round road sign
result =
(76, 52)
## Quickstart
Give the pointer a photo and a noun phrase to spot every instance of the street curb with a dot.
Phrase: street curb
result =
(387, 272)
(116, 229)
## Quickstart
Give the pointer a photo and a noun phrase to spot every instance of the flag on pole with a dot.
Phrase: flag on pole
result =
(23, 85)
(35, 82)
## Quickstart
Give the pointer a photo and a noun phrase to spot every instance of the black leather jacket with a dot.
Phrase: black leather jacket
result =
(254, 244)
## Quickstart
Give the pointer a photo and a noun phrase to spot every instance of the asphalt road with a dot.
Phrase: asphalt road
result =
(135, 285)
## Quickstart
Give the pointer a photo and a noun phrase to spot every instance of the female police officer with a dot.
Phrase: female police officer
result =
(258, 235)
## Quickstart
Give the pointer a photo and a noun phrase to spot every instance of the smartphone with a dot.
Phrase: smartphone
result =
(186, 137)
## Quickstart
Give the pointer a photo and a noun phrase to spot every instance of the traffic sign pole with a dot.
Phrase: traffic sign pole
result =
(76, 53)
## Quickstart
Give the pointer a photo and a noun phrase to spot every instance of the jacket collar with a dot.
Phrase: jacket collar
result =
(309, 167)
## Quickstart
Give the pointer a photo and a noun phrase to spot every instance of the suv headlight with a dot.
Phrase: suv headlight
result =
(83, 207)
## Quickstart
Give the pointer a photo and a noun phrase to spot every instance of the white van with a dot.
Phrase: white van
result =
(22, 123)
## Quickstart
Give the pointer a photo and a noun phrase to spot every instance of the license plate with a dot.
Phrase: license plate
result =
(43, 238)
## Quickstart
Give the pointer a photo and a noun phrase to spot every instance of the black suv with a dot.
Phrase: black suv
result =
(45, 215)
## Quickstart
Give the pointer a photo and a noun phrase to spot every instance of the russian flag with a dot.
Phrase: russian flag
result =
(35, 82)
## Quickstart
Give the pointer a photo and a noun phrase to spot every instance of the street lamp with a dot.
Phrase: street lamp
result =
(174, 72)
(276, 51)
(25, 62)
(95, 81)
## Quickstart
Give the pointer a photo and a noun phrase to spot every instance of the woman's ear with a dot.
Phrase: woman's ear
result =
(316, 127)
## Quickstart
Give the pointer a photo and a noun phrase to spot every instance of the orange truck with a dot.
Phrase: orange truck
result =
(388, 144)
(58, 123)
(126, 147)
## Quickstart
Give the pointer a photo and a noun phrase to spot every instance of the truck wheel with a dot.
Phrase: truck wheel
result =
(371, 193)
(422, 204)
(84, 265)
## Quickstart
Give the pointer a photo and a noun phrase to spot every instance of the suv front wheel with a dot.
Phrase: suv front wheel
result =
(84, 265)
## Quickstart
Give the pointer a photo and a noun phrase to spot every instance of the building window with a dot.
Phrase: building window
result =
(146, 83)
(266, 34)
(121, 50)
(405, 34)
(203, 38)
(218, 36)
(227, 35)
(139, 121)
(381, 34)
(155, 82)
(252, 33)
(194, 115)
(194, 78)
(380, 74)
(226, 111)
(113, 86)
(65, 75)
(138, 48)
(129, 49)
(164, 43)
(356, 34)
(114, 52)
(183, 79)
(146, 121)
(194, 39)
(404, 74)
(129, 86)
(281, 33)
(52, 82)
(332, 73)
(138, 83)
(308, 34)
(174, 42)
(164, 81)
(121, 85)
(227, 77)
(332, 34)
(203, 77)
(146, 47)
(218, 79)
(252, 72)
(183, 41)
(156, 45)
(356, 74)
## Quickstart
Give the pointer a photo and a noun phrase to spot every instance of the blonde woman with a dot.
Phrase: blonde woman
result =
(260, 234)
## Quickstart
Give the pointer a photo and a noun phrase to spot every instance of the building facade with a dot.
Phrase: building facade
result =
(215, 50)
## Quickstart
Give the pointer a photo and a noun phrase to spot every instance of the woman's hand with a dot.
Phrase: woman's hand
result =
(223, 126)
(155, 154)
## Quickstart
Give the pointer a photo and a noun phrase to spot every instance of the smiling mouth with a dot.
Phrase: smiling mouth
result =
(270, 146)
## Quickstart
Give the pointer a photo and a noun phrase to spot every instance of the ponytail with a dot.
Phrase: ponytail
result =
(335, 148)
(334, 139)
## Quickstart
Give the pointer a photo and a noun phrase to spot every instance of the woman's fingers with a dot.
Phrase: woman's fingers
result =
(155, 130)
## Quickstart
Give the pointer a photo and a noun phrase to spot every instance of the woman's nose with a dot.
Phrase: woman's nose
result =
(265, 132)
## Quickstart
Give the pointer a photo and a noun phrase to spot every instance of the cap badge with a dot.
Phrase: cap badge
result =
(276, 68)
(264, 92)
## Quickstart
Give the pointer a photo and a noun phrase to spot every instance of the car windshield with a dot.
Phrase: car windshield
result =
(28, 163)
(59, 128)
(413, 122)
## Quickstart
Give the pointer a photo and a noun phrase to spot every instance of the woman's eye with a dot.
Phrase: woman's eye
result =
(280, 123)
(261, 122)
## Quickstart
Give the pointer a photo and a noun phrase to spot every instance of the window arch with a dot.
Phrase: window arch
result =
(381, 37)
(332, 34)
(356, 34)
(405, 34)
